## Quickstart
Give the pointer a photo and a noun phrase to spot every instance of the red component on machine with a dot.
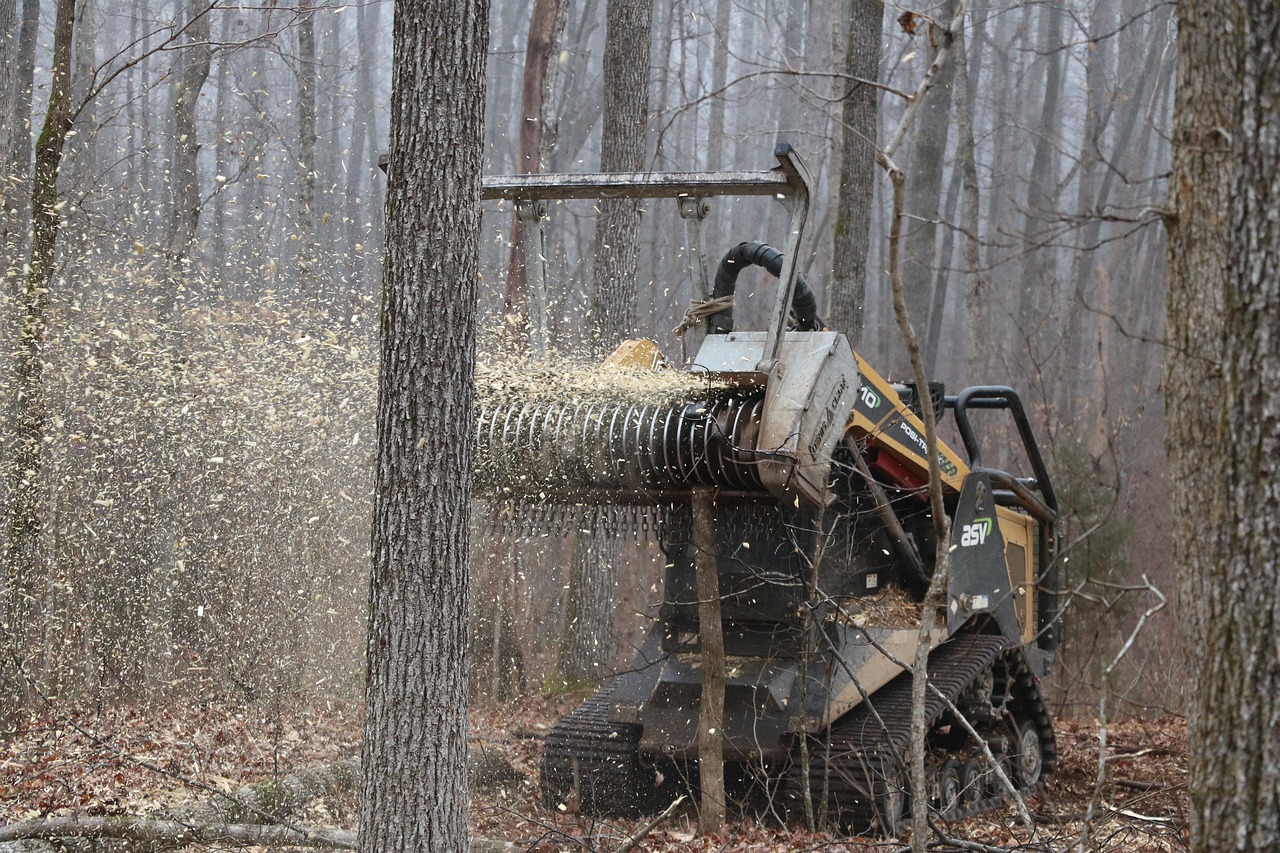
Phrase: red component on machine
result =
(891, 472)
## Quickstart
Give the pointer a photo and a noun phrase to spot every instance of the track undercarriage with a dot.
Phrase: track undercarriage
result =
(857, 778)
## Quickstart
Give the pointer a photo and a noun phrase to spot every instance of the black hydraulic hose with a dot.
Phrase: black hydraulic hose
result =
(754, 253)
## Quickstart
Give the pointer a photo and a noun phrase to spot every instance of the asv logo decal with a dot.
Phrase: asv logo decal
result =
(976, 533)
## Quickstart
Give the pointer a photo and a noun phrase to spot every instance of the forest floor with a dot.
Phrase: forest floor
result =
(146, 762)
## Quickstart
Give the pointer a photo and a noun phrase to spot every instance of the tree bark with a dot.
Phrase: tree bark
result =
(848, 292)
(15, 156)
(193, 63)
(924, 192)
(711, 645)
(1204, 177)
(12, 123)
(415, 777)
(22, 557)
(622, 148)
(1235, 740)
(313, 282)
(978, 291)
(541, 59)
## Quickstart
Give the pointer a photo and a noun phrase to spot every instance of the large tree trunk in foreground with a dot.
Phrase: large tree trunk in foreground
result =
(415, 789)
(1222, 403)
(1235, 739)
(1203, 178)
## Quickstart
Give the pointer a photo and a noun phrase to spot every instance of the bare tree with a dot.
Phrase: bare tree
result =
(622, 147)
(23, 476)
(924, 194)
(17, 65)
(193, 70)
(10, 120)
(415, 791)
(593, 582)
(307, 74)
(847, 293)
(541, 61)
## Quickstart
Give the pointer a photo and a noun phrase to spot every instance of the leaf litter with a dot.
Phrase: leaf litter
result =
(49, 768)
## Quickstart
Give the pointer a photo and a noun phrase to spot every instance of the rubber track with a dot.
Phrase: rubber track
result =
(861, 757)
(1028, 704)
(593, 766)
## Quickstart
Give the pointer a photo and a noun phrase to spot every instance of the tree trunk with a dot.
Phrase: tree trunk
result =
(847, 294)
(15, 156)
(1037, 266)
(9, 29)
(578, 112)
(711, 643)
(193, 62)
(622, 149)
(1204, 179)
(541, 59)
(415, 788)
(12, 123)
(1229, 58)
(361, 162)
(312, 281)
(616, 261)
(939, 298)
(22, 557)
(924, 194)
(978, 290)
(222, 150)
(715, 141)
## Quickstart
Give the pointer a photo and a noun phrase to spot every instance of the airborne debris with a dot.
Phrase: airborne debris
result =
(512, 379)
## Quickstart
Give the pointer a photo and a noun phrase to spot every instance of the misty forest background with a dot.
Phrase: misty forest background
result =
(209, 401)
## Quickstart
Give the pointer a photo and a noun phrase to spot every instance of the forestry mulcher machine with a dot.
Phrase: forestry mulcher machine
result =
(824, 547)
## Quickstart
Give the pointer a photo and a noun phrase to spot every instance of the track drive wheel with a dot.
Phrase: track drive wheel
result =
(889, 798)
(1028, 757)
(950, 793)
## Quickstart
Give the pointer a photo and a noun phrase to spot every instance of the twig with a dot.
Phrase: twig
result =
(635, 839)
(1130, 813)
(1096, 799)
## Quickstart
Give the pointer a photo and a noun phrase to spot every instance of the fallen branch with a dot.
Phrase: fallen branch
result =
(150, 830)
(1145, 818)
(40, 834)
(635, 839)
(1136, 785)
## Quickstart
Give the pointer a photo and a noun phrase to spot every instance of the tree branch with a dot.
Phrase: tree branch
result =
(173, 832)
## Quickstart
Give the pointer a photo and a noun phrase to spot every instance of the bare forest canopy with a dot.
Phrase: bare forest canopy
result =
(209, 356)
